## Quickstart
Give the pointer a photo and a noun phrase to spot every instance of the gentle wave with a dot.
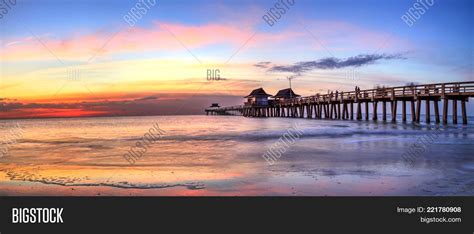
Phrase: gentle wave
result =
(75, 181)
(244, 136)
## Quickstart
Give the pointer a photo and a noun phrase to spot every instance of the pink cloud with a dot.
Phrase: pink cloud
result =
(172, 36)
(161, 36)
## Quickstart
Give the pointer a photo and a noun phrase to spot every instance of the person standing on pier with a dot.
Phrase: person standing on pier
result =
(357, 92)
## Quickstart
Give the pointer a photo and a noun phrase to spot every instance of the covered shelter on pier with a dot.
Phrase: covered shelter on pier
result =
(285, 94)
(258, 97)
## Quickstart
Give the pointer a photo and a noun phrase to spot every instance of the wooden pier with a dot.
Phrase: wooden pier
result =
(349, 105)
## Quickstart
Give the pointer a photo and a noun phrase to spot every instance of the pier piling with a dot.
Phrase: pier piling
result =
(329, 106)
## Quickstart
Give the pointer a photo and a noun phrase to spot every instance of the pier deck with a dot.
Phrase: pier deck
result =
(348, 105)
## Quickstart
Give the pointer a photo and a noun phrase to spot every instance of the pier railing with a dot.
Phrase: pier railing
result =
(440, 89)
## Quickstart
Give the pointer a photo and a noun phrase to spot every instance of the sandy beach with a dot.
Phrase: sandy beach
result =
(222, 156)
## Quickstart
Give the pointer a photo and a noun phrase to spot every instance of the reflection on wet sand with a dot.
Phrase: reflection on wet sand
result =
(206, 156)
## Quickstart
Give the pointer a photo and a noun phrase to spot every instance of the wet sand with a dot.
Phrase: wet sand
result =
(207, 156)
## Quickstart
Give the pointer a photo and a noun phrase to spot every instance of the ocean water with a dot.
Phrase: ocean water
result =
(222, 155)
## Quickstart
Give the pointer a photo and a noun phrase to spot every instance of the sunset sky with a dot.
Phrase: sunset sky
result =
(80, 58)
